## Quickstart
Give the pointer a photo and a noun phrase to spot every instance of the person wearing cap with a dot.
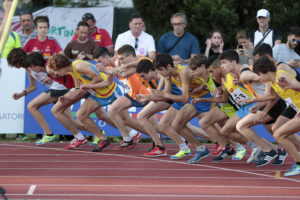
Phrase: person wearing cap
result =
(142, 42)
(28, 30)
(99, 35)
(264, 33)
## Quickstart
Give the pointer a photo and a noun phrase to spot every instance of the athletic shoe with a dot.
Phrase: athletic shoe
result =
(153, 147)
(137, 138)
(124, 145)
(95, 141)
(217, 151)
(293, 166)
(240, 153)
(181, 154)
(267, 158)
(156, 152)
(254, 154)
(227, 152)
(102, 144)
(199, 155)
(75, 143)
(45, 139)
(295, 171)
(281, 156)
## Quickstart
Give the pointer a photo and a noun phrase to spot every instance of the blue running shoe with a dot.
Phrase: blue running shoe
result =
(295, 171)
(293, 166)
(199, 155)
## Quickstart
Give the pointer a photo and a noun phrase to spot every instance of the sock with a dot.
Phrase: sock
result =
(251, 144)
(79, 136)
(201, 148)
(183, 140)
(239, 146)
(298, 163)
(160, 147)
(127, 139)
(184, 147)
(132, 133)
(51, 134)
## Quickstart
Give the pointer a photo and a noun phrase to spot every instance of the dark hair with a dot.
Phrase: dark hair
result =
(242, 35)
(162, 60)
(82, 23)
(59, 61)
(216, 31)
(127, 50)
(35, 59)
(197, 61)
(144, 66)
(212, 60)
(294, 30)
(263, 49)
(16, 57)
(100, 51)
(26, 12)
(230, 55)
(88, 16)
(135, 16)
(43, 19)
(264, 65)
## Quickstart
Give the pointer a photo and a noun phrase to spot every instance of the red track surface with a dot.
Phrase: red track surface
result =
(50, 172)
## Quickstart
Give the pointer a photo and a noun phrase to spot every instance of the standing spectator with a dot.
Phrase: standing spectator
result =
(264, 34)
(47, 46)
(181, 45)
(142, 42)
(286, 52)
(215, 44)
(83, 47)
(13, 41)
(26, 21)
(99, 35)
(244, 50)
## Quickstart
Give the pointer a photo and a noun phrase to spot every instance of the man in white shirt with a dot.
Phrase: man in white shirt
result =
(285, 52)
(142, 42)
(264, 33)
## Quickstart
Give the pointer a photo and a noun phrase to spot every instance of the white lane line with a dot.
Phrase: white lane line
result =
(31, 190)
(158, 160)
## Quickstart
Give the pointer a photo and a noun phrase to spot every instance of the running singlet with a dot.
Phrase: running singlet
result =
(40, 76)
(195, 82)
(238, 91)
(211, 85)
(291, 97)
(99, 92)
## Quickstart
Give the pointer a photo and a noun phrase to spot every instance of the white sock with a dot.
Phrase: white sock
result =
(239, 146)
(132, 133)
(79, 136)
(183, 140)
(184, 147)
(127, 139)
(251, 144)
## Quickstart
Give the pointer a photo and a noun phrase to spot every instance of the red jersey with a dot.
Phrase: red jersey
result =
(101, 37)
(66, 80)
(47, 47)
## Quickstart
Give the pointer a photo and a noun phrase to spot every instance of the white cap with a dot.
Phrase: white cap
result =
(262, 13)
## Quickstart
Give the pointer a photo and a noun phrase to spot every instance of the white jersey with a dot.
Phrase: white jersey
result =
(40, 76)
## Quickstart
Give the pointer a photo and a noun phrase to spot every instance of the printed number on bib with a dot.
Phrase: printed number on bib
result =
(291, 103)
(238, 95)
(125, 84)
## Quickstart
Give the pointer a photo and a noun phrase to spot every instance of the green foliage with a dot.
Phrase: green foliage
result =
(229, 16)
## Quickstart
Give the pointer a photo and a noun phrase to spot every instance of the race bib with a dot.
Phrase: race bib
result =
(291, 103)
(125, 84)
(238, 95)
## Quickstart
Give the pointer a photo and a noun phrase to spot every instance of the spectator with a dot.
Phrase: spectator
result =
(13, 41)
(47, 46)
(181, 45)
(83, 47)
(264, 34)
(99, 35)
(215, 44)
(244, 50)
(142, 42)
(285, 52)
(26, 21)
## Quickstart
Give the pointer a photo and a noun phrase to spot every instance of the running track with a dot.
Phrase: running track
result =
(50, 172)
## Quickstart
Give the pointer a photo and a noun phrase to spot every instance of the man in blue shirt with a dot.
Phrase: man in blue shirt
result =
(181, 45)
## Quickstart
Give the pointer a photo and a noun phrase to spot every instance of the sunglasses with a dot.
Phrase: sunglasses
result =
(295, 41)
(136, 43)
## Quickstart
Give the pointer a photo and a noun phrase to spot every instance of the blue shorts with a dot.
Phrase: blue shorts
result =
(244, 110)
(109, 100)
(178, 105)
(134, 102)
(203, 107)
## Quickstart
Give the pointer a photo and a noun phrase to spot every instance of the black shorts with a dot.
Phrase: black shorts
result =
(289, 112)
(56, 93)
(276, 110)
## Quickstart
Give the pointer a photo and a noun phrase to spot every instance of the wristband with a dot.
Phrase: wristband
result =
(25, 93)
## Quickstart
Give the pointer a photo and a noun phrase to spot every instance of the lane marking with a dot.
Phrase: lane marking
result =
(158, 160)
(31, 190)
(277, 174)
